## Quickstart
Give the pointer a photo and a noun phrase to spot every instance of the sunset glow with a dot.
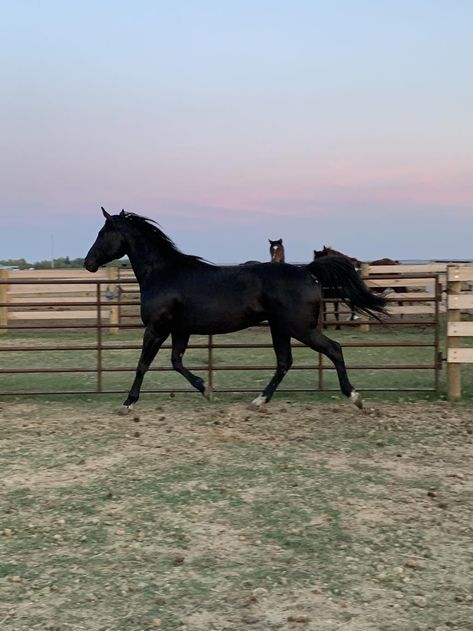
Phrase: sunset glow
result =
(346, 123)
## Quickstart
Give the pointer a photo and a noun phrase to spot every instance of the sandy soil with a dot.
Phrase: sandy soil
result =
(389, 491)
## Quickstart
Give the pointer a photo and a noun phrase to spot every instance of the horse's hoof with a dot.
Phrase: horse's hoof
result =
(123, 411)
(356, 399)
(208, 392)
(258, 404)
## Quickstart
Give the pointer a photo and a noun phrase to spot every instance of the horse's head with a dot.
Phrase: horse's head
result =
(276, 250)
(329, 251)
(109, 244)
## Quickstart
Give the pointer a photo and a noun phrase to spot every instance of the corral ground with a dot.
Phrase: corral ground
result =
(194, 516)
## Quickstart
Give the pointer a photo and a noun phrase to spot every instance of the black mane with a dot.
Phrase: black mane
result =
(151, 231)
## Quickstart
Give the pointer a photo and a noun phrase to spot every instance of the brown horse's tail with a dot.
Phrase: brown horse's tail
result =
(338, 274)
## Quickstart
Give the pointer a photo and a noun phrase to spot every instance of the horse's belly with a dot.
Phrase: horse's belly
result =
(206, 322)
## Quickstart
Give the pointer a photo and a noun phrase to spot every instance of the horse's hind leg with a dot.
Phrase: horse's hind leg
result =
(282, 348)
(336, 312)
(324, 314)
(151, 345)
(179, 345)
(331, 349)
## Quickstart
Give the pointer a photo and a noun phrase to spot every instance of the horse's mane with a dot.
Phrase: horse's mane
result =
(151, 231)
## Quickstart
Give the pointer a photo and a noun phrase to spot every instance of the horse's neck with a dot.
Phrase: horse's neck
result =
(145, 259)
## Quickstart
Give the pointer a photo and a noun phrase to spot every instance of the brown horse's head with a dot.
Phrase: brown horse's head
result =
(276, 250)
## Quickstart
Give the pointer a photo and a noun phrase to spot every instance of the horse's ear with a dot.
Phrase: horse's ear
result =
(122, 214)
(105, 213)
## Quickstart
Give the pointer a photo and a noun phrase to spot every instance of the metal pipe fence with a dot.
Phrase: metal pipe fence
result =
(210, 367)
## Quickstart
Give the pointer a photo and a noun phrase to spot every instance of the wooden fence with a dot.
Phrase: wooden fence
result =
(412, 294)
(24, 301)
(460, 304)
(39, 295)
(409, 293)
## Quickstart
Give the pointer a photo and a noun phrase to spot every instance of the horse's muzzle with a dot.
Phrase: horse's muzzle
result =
(91, 265)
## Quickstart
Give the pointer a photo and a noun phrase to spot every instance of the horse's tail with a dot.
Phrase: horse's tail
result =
(338, 274)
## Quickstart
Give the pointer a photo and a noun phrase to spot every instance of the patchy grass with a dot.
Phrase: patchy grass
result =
(193, 516)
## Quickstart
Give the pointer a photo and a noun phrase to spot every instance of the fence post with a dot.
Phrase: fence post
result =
(364, 275)
(114, 308)
(99, 340)
(4, 298)
(454, 390)
(210, 363)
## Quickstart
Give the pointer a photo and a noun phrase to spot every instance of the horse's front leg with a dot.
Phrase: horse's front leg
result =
(179, 345)
(152, 342)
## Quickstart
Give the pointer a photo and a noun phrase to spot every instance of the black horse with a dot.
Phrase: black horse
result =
(183, 295)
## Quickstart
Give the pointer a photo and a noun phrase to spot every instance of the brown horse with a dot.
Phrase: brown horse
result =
(329, 294)
(276, 249)
(328, 251)
(384, 261)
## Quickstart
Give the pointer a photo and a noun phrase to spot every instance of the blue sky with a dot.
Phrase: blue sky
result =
(339, 123)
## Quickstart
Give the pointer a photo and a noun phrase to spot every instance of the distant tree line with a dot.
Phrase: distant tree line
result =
(63, 262)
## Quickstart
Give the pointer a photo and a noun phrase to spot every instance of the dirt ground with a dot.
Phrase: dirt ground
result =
(194, 516)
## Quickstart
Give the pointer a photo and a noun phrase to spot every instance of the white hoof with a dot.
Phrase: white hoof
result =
(260, 400)
(125, 409)
(208, 392)
(355, 398)
(258, 403)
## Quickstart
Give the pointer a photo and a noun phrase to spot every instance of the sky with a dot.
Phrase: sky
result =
(339, 122)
